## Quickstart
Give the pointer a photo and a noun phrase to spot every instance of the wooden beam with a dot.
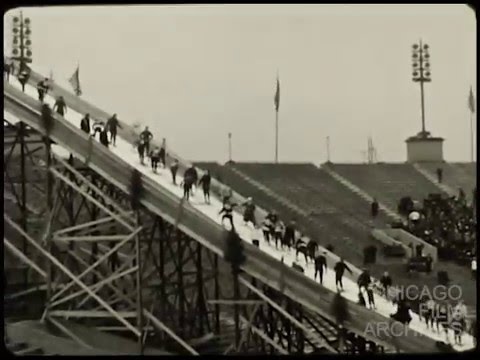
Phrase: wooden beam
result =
(126, 215)
(162, 327)
(286, 314)
(91, 198)
(95, 288)
(70, 275)
(90, 238)
(99, 261)
(68, 333)
(261, 334)
(23, 257)
(101, 221)
(233, 302)
(91, 314)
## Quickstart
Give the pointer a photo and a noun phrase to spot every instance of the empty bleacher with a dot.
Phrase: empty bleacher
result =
(455, 175)
(387, 182)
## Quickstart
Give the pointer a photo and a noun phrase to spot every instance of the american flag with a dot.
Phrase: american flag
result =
(471, 101)
(277, 95)
(75, 81)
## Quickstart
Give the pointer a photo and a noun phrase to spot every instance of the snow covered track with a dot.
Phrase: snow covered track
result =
(202, 223)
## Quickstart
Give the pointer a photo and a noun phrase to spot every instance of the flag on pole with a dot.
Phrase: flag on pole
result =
(51, 75)
(75, 82)
(277, 95)
(471, 101)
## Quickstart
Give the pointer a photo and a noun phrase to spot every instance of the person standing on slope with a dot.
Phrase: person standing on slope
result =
(104, 137)
(42, 88)
(155, 158)
(112, 125)
(85, 124)
(249, 212)
(163, 153)
(146, 136)
(205, 182)
(173, 170)
(227, 211)
(60, 106)
(339, 269)
(278, 232)
(320, 266)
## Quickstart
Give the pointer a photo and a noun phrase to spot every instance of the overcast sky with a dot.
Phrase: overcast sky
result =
(195, 73)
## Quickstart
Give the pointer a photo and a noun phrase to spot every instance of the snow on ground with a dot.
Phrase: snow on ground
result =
(126, 151)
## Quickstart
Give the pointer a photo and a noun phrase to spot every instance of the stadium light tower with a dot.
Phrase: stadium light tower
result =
(421, 74)
(21, 47)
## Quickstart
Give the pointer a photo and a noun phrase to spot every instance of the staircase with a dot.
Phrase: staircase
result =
(355, 189)
(433, 179)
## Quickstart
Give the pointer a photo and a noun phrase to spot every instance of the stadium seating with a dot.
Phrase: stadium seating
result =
(455, 175)
(387, 182)
(317, 194)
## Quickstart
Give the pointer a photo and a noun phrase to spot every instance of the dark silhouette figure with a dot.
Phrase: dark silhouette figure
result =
(439, 175)
(112, 125)
(146, 136)
(155, 158)
(42, 88)
(205, 183)
(85, 124)
(227, 211)
(320, 266)
(386, 282)
(339, 269)
(173, 170)
(104, 138)
(60, 106)
(374, 208)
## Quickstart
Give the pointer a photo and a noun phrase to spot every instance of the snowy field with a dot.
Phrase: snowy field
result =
(126, 151)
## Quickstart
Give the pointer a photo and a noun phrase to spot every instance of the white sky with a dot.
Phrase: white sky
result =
(195, 73)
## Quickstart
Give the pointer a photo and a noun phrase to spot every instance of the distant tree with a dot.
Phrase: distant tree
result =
(234, 254)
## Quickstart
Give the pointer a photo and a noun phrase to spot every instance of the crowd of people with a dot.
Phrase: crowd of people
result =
(448, 223)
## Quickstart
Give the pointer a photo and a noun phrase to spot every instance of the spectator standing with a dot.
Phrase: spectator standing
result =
(320, 266)
(146, 136)
(173, 170)
(42, 88)
(112, 125)
(205, 183)
(439, 175)
(85, 124)
(339, 269)
(374, 208)
(312, 248)
(60, 106)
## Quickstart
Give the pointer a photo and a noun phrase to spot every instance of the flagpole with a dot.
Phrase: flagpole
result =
(328, 149)
(229, 147)
(471, 137)
(276, 136)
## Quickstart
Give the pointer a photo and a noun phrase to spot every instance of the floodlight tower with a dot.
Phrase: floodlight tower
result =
(421, 74)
